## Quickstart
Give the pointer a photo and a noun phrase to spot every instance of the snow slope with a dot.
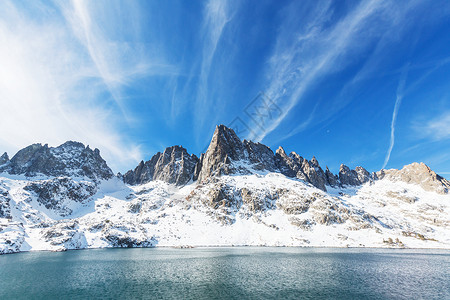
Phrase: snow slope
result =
(267, 209)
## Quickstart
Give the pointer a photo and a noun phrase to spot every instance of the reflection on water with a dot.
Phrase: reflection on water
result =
(227, 273)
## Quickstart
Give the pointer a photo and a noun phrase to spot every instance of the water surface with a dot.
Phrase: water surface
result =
(227, 273)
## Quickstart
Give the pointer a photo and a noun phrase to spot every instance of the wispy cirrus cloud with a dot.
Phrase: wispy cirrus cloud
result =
(118, 56)
(59, 72)
(436, 129)
(298, 65)
(216, 15)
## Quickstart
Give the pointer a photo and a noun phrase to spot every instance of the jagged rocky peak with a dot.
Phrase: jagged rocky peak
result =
(175, 165)
(418, 174)
(227, 154)
(314, 162)
(69, 159)
(225, 146)
(296, 166)
(4, 158)
(285, 163)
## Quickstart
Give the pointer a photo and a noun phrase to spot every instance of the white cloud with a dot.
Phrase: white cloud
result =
(54, 85)
(437, 129)
(117, 61)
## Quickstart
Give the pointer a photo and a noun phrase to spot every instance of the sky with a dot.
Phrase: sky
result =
(361, 83)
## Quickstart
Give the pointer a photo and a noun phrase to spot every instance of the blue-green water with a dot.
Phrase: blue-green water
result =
(227, 273)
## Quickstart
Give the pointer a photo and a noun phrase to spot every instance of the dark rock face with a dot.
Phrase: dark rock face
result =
(68, 159)
(174, 165)
(332, 179)
(363, 175)
(285, 164)
(58, 193)
(296, 166)
(260, 156)
(118, 241)
(4, 158)
(314, 173)
(347, 176)
(353, 177)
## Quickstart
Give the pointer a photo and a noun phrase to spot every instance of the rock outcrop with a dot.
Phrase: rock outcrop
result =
(69, 159)
(5, 207)
(59, 194)
(175, 165)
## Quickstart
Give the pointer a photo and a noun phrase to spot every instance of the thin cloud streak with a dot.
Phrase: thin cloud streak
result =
(398, 102)
(216, 17)
(298, 73)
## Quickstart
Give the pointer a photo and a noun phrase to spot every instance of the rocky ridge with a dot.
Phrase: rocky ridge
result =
(227, 154)
(71, 159)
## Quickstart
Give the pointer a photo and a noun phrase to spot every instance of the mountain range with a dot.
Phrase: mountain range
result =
(236, 193)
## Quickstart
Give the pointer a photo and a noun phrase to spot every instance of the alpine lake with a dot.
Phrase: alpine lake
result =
(227, 273)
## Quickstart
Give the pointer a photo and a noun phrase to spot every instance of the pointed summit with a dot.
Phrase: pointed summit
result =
(4, 158)
(225, 146)
(314, 162)
(280, 151)
(226, 141)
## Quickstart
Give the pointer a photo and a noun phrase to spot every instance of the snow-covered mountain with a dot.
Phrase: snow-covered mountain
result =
(237, 193)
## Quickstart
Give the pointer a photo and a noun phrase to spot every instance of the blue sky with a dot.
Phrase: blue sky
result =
(361, 83)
